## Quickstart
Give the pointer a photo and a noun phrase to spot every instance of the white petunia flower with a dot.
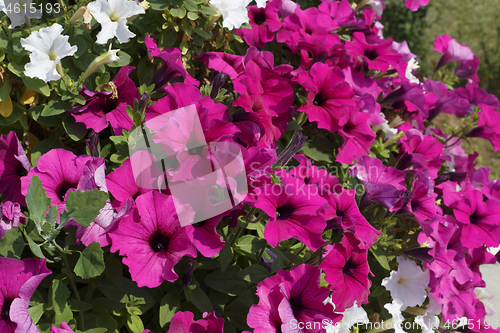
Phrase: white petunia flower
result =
(395, 309)
(47, 47)
(429, 321)
(486, 298)
(350, 317)
(376, 6)
(113, 15)
(18, 10)
(234, 12)
(412, 64)
(408, 283)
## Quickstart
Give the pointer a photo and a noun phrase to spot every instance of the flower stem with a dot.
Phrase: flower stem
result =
(75, 289)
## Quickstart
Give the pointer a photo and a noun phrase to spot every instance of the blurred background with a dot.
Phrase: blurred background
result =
(475, 23)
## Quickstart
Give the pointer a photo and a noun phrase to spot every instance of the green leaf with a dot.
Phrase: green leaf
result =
(169, 305)
(37, 200)
(5, 89)
(381, 258)
(237, 311)
(76, 131)
(114, 270)
(158, 5)
(201, 32)
(250, 245)
(96, 330)
(228, 283)
(199, 298)
(190, 5)
(36, 312)
(168, 37)
(35, 248)
(107, 321)
(192, 16)
(12, 244)
(37, 85)
(42, 147)
(16, 68)
(187, 28)
(254, 273)
(208, 11)
(91, 262)
(17, 111)
(65, 316)
(60, 294)
(77, 305)
(178, 12)
(85, 206)
(134, 324)
(225, 256)
(36, 113)
(55, 106)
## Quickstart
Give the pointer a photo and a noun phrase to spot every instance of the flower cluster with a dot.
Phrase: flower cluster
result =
(244, 190)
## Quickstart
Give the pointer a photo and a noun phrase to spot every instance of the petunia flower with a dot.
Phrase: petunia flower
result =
(293, 210)
(414, 5)
(60, 171)
(10, 216)
(19, 18)
(451, 50)
(152, 241)
(18, 281)
(183, 321)
(264, 23)
(346, 270)
(289, 297)
(234, 13)
(64, 328)
(47, 48)
(352, 316)
(397, 319)
(14, 164)
(113, 15)
(375, 55)
(408, 283)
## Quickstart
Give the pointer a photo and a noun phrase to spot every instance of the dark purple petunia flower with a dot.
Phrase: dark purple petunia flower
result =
(14, 164)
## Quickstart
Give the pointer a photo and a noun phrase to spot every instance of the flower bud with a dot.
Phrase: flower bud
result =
(103, 59)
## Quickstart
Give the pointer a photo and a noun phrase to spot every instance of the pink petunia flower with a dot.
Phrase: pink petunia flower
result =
(357, 135)
(18, 281)
(264, 23)
(14, 164)
(376, 55)
(60, 171)
(289, 297)
(346, 270)
(451, 50)
(106, 107)
(414, 5)
(10, 216)
(329, 95)
(343, 213)
(152, 240)
(183, 321)
(293, 210)
(64, 328)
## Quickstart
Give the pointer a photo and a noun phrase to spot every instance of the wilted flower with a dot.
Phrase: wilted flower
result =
(47, 47)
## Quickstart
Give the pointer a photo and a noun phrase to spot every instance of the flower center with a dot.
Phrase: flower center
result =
(113, 17)
(63, 188)
(52, 56)
(259, 16)
(475, 218)
(349, 267)
(285, 211)
(159, 242)
(6, 310)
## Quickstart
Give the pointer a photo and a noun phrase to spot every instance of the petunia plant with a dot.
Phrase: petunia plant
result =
(239, 166)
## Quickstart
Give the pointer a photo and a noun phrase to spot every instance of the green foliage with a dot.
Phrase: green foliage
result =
(91, 262)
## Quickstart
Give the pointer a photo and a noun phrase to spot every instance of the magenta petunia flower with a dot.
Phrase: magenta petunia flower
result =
(183, 321)
(10, 216)
(376, 55)
(447, 100)
(264, 22)
(14, 164)
(346, 270)
(312, 175)
(343, 213)
(414, 5)
(329, 96)
(357, 135)
(468, 70)
(64, 328)
(18, 281)
(60, 171)
(293, 210)
(451, 50)
(408, 93)
(152, 240)
(292, 297)
(382, 184)
(106, 107)
(480, 219)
